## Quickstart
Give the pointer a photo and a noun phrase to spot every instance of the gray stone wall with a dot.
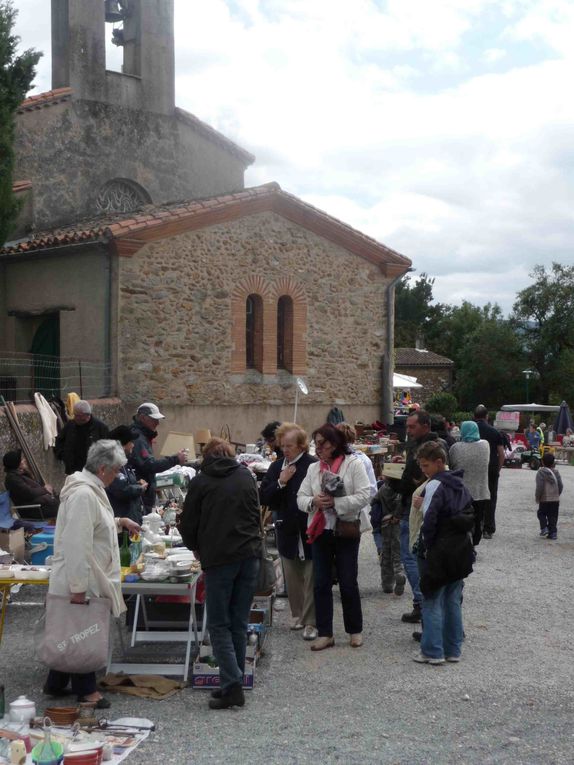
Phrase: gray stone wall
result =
(71, 149)
(175, 316)
(433, 379)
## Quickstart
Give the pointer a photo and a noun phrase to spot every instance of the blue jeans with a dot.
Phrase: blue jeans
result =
(442, 622)
(344, 554)
(410, 562)
(229, 591)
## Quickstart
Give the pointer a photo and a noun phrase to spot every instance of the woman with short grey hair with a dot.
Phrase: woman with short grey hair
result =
(86, 560)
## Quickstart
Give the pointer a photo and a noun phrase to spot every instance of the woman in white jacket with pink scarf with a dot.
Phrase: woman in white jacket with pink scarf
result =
(330, 517)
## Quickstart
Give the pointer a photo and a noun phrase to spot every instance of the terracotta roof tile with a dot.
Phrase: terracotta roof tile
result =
(415, 357)
(49, 98)
(177, 217)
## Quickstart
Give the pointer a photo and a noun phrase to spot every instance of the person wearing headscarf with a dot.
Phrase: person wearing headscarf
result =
(471, 454)
(24, 489)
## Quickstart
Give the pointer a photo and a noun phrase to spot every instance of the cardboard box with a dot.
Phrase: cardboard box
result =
(203, 675)
(13, 543)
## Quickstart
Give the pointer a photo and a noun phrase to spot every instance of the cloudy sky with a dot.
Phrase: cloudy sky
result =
(443, 128)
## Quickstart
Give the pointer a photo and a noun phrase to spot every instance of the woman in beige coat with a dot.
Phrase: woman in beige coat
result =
(86, 560)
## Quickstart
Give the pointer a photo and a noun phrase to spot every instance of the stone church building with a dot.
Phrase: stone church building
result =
(140, 249)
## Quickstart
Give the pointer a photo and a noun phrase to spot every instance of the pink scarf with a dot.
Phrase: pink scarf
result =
(317, 525)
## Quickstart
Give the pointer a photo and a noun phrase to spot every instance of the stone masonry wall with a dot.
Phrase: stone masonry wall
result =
(433, 379)
(175, 317)
(70, 150)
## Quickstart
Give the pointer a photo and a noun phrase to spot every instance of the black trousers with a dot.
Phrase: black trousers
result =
(82, 684)
(344, 554)
(490, 511)
(481, 507)
(548, 516)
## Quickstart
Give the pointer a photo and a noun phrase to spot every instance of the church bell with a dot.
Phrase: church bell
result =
(114, 11)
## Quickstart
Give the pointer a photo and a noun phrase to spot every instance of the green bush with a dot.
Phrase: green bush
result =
(442, 403)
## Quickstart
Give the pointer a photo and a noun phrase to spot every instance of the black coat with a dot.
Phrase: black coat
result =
(125, 495)
(145, 465)
(290, 522)
(412, 474)
(221, 517)
(24, 490)
(73, 442)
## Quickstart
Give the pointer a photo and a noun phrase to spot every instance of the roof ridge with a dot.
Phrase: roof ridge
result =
(47, 98)
(212, 134)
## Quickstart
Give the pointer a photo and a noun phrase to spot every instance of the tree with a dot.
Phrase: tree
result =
(413, 310)
(491, 364)
(544, 318)
(16, 76)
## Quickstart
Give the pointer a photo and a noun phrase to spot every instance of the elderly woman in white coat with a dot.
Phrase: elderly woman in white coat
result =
(86, 561)
(330, 517)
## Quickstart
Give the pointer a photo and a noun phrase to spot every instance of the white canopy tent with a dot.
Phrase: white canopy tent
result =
(405, 381)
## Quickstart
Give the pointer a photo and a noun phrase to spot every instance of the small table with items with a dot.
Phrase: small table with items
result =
(162, 632)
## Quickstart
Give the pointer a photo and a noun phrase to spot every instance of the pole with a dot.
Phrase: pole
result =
(296, 403)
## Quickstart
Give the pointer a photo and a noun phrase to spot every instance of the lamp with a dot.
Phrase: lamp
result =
(527, 373)
(299, 386)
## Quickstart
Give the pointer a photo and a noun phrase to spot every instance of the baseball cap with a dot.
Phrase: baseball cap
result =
(151, 410)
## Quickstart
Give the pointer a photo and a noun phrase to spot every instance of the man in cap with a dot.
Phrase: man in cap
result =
(77, 436)
(142, 460)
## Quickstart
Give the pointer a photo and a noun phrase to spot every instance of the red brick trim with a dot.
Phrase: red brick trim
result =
(270, 292)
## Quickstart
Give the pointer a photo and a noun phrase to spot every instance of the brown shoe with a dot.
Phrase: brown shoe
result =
(356, 640)
(322, 642)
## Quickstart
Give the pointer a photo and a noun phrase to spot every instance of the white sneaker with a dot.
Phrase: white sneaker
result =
(310, 632)
(422, 659)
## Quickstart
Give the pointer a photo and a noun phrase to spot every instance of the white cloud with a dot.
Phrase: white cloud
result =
(441, 128)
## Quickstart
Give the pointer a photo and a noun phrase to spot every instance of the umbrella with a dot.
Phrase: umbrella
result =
(564, 419)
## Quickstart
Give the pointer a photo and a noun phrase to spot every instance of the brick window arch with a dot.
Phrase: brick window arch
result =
(254, 332)
(285, 333)
(291, 307)
(252, 313)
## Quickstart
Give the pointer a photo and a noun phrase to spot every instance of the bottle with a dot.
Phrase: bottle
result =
(125, 557)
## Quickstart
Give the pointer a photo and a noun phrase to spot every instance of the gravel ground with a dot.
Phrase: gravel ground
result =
(510, 700)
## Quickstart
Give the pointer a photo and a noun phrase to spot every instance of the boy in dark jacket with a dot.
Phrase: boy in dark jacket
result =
(386, 512)
(548, 491)
(448, 556)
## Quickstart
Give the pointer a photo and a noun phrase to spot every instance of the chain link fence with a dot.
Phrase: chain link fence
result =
(23, 374)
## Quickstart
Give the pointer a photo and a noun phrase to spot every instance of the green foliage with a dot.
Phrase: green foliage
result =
(413, 310)
(459, 417)
(544, 317)
(490, 366)
(442, 403)
(16, 76)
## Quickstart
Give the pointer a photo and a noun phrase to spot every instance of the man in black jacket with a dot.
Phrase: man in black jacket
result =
(142, 459)
(279, 492)
(221, 521)
(495, 463)
(418, 433)
(77, 436)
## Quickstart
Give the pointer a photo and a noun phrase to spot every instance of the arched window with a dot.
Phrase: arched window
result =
(285, 333)
(254, 332)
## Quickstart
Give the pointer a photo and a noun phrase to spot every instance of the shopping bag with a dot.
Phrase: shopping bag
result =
(266, 579)
(75, 636)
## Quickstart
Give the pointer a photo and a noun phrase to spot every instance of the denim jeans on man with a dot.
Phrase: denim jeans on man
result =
(442, 622)
(229, 591)
(410, 562)
(344, 554)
